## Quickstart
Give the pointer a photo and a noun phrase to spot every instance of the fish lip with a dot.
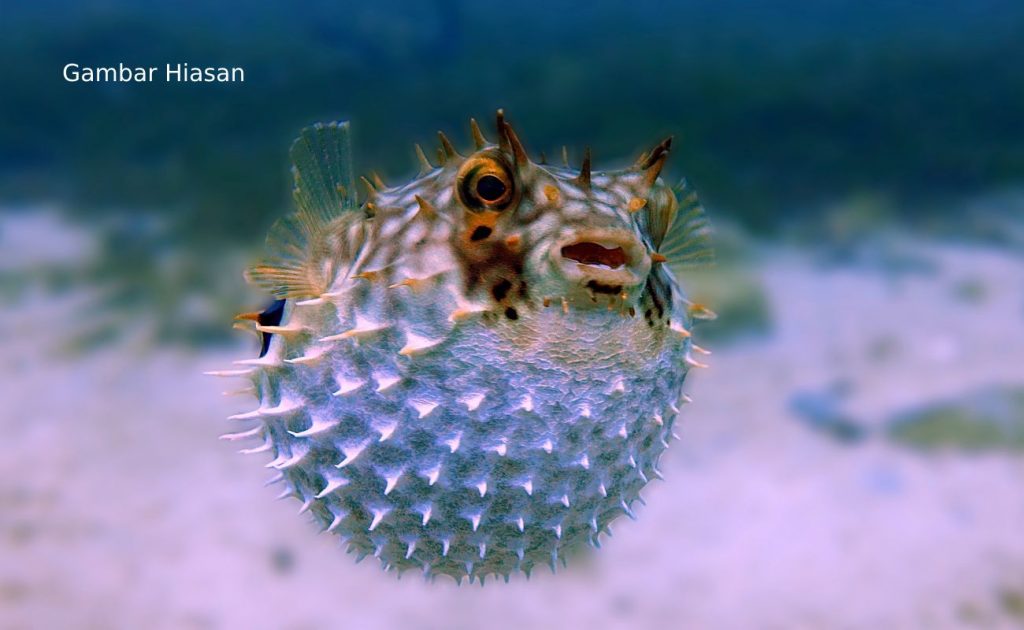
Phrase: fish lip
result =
(630, 273)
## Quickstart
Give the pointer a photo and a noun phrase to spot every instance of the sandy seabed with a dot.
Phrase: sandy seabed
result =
(120, 508)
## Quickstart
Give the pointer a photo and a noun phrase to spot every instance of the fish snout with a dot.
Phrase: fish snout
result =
(606, 260)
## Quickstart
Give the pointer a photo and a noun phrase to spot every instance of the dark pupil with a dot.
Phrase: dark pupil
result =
(490, 188)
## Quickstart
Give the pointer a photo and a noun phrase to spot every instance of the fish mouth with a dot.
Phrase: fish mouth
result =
(603, 258)
(595, 254)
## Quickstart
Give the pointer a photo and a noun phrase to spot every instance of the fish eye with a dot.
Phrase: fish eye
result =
(490, 188)
(486, 183)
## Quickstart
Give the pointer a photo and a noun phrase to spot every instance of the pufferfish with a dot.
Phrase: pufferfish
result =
(476, 372)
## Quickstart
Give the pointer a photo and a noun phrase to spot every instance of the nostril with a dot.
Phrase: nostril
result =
(589, 253)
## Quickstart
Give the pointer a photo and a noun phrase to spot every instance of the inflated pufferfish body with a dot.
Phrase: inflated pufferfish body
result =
(475, 372)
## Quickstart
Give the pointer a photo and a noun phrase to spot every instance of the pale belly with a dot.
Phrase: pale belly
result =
(505, 445)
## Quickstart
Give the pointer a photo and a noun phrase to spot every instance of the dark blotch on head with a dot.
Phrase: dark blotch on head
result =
(480, 233)
(511, 313)
(490, 265)
(500, 289)
(608, 289)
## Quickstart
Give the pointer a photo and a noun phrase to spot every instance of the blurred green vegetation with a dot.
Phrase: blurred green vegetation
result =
(1012, 602)
(989, 420)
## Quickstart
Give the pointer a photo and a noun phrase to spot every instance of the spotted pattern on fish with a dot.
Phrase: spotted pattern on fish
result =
(475, 372)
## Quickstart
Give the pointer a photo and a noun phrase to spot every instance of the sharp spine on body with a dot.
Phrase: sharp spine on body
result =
(230, 373)
(371, 192)
(390, 483)
(378, 516)
(264, 361)
(338, 518)
(518, 152)
(424, 408)
(447, 147)
(479, 141)
(415, 344)
(387, 431)
(351, 453)
(426, 209)
(432, 475)
(282, 408)
(346, 386)
(425, 165)
(472, 401)
(694, 362)
(386, 381)
(332, 485)
(262, 448)
(678, 329)
(312, 357)
(362, 328)
(583, 179)
(287, 329)
(241, 435)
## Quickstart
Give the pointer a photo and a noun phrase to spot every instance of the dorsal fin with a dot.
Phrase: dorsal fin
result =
(307, 249)
(322, 167)
(680, 231)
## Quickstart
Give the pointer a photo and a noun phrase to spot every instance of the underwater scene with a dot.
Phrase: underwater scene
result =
(849, 445)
